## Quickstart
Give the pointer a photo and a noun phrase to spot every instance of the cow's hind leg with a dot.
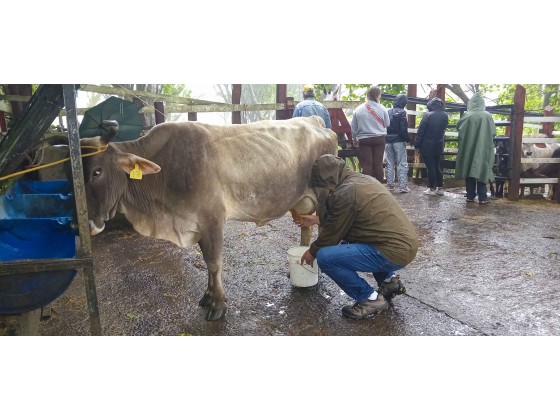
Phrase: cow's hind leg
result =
(211, 245)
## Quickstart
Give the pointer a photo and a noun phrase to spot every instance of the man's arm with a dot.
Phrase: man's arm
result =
(339, 220)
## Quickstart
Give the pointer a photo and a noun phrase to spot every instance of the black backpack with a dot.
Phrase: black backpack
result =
(393, 132)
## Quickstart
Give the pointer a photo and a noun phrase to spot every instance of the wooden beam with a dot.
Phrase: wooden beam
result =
(546, 119)
(112, 90)
(41, 265)
(540, 160)
(533, 140)
(538, 180)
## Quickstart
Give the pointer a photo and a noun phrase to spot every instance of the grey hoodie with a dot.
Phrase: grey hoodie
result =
(364, 125)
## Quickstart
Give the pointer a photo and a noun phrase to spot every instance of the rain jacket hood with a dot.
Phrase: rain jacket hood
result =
(400, 101)
(476, 131)
(435, 104)
(327, 172)
(476, 103)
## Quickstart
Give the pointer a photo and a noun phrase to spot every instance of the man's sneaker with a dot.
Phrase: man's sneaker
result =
(470, 200)
(390, 187)
(404, 190)
(391, 289)
(429, 191)
(365, 308)
(483, 201)
(440, 191)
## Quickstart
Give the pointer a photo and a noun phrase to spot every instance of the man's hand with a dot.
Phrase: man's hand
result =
(308, 258)
(305, 220)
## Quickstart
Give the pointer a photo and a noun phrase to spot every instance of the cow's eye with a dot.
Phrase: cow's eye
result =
(96, 173)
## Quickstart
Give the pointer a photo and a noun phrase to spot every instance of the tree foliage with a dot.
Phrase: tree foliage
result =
(537, 96)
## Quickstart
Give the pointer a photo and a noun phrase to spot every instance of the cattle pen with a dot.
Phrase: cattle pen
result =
(513, 122)
(512, 119)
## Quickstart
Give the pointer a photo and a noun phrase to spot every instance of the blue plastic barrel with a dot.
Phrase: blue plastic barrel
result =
(31, 227)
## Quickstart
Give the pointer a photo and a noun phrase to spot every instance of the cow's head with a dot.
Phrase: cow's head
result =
(106, 177)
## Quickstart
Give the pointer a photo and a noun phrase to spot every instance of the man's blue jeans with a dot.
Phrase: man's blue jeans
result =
(342, 262)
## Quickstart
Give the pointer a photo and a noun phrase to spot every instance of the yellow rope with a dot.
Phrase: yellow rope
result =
(99, 149)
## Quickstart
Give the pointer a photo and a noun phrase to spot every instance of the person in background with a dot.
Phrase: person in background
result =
(429, 141)
(362, 228)
(476, 156)
(395, 148)
(369, 128)
(309, 106)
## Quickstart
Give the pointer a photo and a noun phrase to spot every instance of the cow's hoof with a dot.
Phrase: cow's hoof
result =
(206, 300)
(215, 314)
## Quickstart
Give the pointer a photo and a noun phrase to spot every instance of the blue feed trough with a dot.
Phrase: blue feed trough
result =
(35, 223)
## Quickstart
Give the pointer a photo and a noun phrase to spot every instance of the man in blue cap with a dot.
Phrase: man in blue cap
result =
(309, 106)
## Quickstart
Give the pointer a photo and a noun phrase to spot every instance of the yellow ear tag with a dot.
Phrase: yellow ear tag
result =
(136, 173)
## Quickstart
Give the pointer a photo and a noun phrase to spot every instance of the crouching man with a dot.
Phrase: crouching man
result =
(362, 228)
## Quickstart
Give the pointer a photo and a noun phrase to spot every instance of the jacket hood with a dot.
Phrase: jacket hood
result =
(476, 103)
(327, 172)
(435, 104)
(400, 101)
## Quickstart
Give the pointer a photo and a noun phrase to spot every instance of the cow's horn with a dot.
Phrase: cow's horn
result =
(111, 127)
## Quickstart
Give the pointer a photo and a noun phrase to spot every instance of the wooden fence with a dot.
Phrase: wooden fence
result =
(513, 117)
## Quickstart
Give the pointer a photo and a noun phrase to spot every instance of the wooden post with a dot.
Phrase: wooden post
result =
(547, 126)
(3, 125)
(84, 250)
(19, 90)
(282, 97)
(411, 92)
(516, 141)
(159, 112)
(440, 93)
(236, 99)
(558, 189)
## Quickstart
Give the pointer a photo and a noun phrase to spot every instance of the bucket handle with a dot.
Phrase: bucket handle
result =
(304, 267)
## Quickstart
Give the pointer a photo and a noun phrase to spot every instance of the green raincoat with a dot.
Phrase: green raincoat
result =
(475, 157)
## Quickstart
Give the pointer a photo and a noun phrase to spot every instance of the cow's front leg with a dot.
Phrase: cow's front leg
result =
(211, 245)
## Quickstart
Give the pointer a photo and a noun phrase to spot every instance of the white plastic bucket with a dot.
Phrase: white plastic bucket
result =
(302, 275)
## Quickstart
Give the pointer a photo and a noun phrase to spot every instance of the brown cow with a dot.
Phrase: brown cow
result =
(196, 177)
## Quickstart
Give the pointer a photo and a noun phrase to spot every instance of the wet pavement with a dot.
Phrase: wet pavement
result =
(480, 270)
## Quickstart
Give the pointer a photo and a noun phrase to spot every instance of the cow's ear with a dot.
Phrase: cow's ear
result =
(127, 162)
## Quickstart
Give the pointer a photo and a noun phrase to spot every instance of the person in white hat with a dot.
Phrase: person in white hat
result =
(309, 106)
